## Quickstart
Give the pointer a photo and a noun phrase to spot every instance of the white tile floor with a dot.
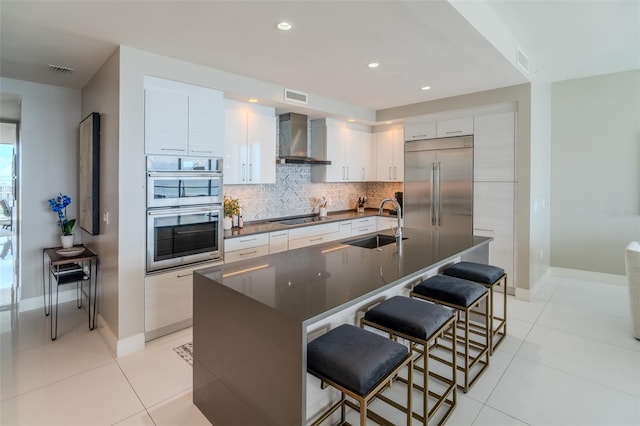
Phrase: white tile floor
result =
(569, 359)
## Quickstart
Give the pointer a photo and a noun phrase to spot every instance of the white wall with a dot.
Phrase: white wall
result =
(48, 150)
(595, 171)
(101, 94)
(540, 170)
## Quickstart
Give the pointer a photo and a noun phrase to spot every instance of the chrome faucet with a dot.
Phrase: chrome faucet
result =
(397, 233)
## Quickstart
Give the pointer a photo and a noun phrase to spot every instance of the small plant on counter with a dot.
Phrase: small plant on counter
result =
(231, 206)
(59, 205)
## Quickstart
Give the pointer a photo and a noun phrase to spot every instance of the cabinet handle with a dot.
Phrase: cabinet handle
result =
(207, 152)
(244, 171)
(250, 172)
(183, 275)
(279, 235)
(250, 239)
(172, 149)
(315, 239)
(249, 252)
(453, 131)
(482, 229)
(347, 172)
(390, 173)
(418, 136)
(395, 172)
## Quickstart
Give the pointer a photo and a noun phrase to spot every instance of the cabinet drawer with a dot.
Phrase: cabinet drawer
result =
(278, 241)
(363, 229)
(415, 132)
(168, 299)
(249, 253)
(311, 240)
(309, 231)
(242, 243)
(455, 127)
(345, 230)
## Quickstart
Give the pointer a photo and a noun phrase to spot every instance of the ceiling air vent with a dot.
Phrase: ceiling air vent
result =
(522, 60)
(60, 69)
(292, 95)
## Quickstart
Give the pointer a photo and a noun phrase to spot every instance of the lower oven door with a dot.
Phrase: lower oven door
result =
(182, 236)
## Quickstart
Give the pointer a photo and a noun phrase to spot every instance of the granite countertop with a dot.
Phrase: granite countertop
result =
(262, 226)
(311, 283)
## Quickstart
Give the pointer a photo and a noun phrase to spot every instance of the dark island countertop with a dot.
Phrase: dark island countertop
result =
(270, 225)
(313, 282)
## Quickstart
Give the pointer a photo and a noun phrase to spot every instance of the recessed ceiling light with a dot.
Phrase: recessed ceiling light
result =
(253, 100)
(351, 120)
(388, 122)
(373, 65)
(284, 26)
(425, 88)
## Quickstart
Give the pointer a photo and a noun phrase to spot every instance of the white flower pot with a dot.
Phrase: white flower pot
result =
(66, 241)
(226, 223)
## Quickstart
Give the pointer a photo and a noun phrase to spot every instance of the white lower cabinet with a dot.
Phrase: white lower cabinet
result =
(168, 304)
(278, 241)
(363, 225)
(493, 216)
(345, 230)
(248, 247)
(312, 235)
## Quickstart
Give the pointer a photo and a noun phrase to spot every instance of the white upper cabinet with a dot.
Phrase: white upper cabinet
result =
(454, 127)
(182, 119)
(249, 143)
(390, 155)
(415, 132)
(494, 147)
(350, 151)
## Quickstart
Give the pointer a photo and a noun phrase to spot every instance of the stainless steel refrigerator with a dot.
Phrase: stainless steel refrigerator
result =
(438, 185)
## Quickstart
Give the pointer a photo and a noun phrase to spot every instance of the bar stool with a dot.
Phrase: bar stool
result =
(360, 364)
(421, 324)
(463, 296)
(490, 277)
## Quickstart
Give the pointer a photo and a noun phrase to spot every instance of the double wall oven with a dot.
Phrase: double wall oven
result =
(184, 211)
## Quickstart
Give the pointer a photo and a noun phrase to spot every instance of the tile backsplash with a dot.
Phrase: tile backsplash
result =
(294, 194)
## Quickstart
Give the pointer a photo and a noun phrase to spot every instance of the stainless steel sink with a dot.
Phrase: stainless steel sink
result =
(372, 242)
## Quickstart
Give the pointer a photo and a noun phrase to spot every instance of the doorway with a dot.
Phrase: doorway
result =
(9, 283)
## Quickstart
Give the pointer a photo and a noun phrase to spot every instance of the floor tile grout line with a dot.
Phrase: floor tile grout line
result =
(135, 393)
(592, 339)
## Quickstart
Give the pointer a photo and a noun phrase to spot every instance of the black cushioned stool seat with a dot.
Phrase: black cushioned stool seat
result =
(489, 276)
(359, 363)
(421, 324)
(464, 296)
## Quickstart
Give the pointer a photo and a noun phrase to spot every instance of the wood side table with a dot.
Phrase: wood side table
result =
(80, 268)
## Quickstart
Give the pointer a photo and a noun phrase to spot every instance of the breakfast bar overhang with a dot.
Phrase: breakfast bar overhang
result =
(252, 319)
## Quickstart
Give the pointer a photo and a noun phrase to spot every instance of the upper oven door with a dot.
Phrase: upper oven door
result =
(174, 189)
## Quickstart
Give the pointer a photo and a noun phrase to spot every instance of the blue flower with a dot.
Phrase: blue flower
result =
(59, 205)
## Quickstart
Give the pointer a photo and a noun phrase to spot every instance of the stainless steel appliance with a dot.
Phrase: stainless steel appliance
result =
(293, 140)
(183, 181)
(438, 184)
(183, 235)
(184, 211)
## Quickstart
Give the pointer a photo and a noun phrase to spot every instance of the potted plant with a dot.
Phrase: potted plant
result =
(231, 209)
(59, 205)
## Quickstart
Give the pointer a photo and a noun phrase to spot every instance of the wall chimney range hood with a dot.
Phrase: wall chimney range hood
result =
(293, 141)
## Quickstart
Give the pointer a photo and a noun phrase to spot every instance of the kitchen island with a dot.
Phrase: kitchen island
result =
(252, 319)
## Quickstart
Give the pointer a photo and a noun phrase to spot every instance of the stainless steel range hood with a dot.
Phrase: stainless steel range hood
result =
(293, 141)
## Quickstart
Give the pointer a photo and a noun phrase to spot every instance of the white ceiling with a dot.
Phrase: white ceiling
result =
(417, 43)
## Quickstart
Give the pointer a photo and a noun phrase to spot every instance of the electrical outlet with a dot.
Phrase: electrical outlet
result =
(105, 217)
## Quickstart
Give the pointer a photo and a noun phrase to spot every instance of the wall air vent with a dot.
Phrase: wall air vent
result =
(522, 60)
(292, 95)
(60, 69)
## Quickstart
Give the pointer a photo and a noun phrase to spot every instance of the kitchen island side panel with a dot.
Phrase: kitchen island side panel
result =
(248, 364)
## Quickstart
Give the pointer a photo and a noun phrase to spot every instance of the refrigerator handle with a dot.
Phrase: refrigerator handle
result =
(439, 191)
(433, 194)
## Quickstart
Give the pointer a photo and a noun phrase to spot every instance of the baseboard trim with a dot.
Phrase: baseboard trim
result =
(528, 294)
(37, 302)
(121, 347)
(600, 277)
